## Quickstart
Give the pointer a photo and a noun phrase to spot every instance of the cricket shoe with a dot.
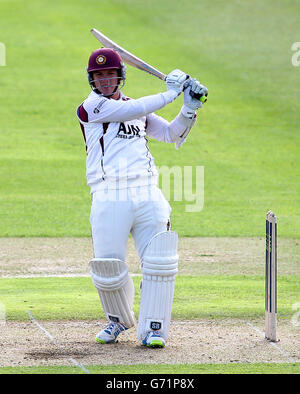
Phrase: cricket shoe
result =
(110, 333)
(154, 339)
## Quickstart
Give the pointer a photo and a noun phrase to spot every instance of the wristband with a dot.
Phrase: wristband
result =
(187, 112)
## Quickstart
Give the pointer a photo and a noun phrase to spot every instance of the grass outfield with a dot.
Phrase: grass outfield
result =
(219, 297)
(247, 135)
(247, 138)
(258, 368)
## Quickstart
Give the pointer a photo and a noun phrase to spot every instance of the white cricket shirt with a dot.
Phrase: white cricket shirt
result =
(115, 134)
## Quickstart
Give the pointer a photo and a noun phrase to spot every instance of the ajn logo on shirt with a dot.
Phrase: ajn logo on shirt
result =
(127, 130)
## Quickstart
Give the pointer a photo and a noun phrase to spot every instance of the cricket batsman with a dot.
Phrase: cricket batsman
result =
(123, 180)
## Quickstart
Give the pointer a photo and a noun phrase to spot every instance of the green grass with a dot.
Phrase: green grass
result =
(247, 135)
(246, 138)
(205, 296)
(234, 368)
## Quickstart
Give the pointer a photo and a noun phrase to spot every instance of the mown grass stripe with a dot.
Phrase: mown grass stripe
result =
(233, 368)
(196, 297)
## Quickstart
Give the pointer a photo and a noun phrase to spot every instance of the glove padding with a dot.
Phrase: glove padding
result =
(175, 80)
(195, 87)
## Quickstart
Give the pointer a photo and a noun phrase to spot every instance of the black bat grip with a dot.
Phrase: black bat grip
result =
(198, 96)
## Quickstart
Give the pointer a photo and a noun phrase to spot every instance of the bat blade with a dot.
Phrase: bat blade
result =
(127, 57)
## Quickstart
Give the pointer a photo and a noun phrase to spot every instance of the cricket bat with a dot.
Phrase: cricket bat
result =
(133, 60)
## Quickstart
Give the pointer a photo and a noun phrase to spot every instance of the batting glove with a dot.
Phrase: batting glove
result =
(194, 87)
(175, 81)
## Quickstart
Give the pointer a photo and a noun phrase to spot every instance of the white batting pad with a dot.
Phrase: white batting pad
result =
(159, 267)
(115, 288)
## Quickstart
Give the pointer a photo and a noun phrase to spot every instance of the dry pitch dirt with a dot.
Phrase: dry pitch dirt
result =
(203, 341)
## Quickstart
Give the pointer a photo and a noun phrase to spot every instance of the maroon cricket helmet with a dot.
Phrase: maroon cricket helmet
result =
(105, 59)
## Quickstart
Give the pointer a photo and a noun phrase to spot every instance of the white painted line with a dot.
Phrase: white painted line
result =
(291, 360)
(55, 341)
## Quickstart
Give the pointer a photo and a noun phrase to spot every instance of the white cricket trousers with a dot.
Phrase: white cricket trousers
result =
(142, 211)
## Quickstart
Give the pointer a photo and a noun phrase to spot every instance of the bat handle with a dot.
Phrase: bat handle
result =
(202, 98)
(197, 96)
